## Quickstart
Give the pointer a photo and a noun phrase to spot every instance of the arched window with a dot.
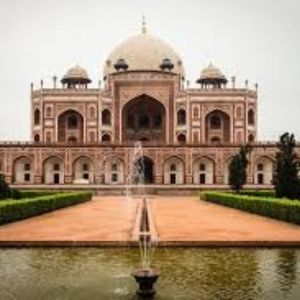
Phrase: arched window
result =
(173, 167)
(72, 139)
(85, 167)
(215, 122)
(56, 167)
(181, 117)
(260, 167)
(202, 167)
(144, 121)
(37, 117)
(72, 122)
(92, 112)
(215, 139)
(181, 138)
(106, 117)
(106, 138)
(251, 117)
(251, 138)
(36, 137)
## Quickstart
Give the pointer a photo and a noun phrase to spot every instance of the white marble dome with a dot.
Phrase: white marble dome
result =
(143, 52)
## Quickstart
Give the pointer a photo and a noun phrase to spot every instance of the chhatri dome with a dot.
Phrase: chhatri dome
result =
(143, 52)
(210, 74)
(76, 74)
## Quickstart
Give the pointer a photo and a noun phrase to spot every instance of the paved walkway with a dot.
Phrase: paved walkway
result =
(178, 220)
(106, 219)
(190, 220)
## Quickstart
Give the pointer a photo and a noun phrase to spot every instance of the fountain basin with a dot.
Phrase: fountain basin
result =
(146, 278)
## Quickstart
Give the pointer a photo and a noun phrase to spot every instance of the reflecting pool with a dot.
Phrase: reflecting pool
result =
(186, 273)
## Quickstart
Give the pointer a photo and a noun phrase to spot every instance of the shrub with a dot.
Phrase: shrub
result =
(238, 169)
(4, 188)
(281, 209)
(11, 210)
(286, 180)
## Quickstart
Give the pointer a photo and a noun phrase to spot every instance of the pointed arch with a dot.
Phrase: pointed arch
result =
(106, 117)
(23, 170)
(53, 170)
(181, 138)
(204, 170)
(251, 117)
(113, 170)
(181, 117)
(143, 116)
(106, 138)
(217, 124)
(36, 138)
(37, 117)
(174, 170)
(83, 170)
(70, 126)
(263, 170)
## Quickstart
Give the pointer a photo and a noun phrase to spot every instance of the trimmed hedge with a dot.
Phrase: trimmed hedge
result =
(20, 194)
(259, 193)
(280, 209)
(11, 210)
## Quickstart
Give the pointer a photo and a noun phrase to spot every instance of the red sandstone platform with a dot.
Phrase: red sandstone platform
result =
(190, 221)
(179, 221)
(105, 220)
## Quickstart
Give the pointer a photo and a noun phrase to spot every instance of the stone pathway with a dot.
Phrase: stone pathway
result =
(190, 221)
(183, 220)
(105, 219)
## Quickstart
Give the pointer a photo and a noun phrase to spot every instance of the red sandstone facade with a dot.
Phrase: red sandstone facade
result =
(83, 135)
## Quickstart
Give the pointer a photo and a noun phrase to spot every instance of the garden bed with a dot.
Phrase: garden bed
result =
(280, 209)
(12, 210)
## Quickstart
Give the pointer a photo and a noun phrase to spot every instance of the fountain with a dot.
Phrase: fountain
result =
(145, 276)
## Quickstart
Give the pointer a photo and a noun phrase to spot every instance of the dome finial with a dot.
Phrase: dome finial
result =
(144, 28)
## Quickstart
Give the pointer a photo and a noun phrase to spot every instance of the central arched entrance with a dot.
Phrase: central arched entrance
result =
(70, 127)
(217, 127)
(143, 119)
(143, 170)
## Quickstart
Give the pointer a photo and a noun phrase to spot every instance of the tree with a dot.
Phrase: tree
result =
(286, 180)
(4, 188)
(238, 169)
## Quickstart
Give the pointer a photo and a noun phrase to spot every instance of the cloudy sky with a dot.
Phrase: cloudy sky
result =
(255, 40)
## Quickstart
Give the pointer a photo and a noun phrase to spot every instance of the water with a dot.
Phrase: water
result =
(186, 273)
